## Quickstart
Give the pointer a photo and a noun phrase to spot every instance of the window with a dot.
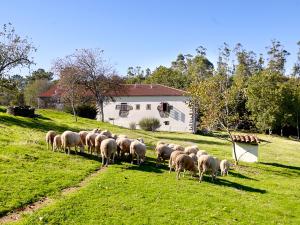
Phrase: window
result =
(165, 107)
(137, 106)
(123, 106)
(148, 107)
(167, 122)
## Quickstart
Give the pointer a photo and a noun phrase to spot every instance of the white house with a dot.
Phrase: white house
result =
(139, 101)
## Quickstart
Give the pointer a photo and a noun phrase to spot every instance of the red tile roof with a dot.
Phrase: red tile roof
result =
(53, 91)
(131, 90)
(251, 139)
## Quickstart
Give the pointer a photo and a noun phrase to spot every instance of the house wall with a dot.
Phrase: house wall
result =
(246, 152)
(180, 117)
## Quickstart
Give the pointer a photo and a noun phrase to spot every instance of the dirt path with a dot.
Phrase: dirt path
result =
(17, 213)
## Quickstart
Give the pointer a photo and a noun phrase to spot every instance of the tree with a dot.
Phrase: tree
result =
(264, 98)
(296, 67)
(215, 97)
(14, 50)
(135, 75)
(277, 57)
(34, 89)
(97, 76)
(40, 74)
(168, 77)
(73, 91)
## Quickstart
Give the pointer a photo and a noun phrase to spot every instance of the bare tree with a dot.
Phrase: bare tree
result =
(98, 76)
(14, 50)
(91, 73)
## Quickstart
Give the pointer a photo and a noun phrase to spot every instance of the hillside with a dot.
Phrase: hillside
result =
(259, 193)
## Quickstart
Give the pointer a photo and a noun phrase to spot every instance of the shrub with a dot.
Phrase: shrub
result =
(149, 124)
(132, 125)
(86, 111)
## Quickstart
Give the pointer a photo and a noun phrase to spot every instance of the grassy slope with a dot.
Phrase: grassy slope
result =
(262, 193)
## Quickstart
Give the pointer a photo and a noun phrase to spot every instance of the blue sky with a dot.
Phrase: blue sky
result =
(151, 33)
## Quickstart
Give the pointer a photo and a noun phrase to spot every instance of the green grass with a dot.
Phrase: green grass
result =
(259, 193)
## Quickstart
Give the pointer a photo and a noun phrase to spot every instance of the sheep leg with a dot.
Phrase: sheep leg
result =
(76, 149)
(178, 173)
(138, 159)
(132, 156)
(113, 158)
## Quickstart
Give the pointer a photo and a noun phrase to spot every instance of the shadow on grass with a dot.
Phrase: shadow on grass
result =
(36, 123)
(232, 184)
(281, 166)
(177, 138)
(238, 175)
(3, 110)
(148, 166)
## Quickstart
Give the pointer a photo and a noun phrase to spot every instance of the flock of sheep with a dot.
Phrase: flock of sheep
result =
(109, 145)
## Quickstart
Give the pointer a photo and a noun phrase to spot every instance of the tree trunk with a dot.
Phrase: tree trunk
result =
(100, 110)
(281, 132)
(233, 146)
(298, 125)
(74, 111)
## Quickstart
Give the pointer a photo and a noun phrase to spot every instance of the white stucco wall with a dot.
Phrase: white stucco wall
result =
(179, 119)
(246, 152)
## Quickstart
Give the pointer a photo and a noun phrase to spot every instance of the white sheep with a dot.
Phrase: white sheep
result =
(224, 166)
(99, 138)
(191, 149)
(163, 152)
(71, 139)
(194, 157)
(182, 163)
(108, 149)
(138, 149)
(49, 138)
(201, 152)
(173, 157)
(90, 141)
(57, 144)
(123, 146)
(207, 163)
(106, 133)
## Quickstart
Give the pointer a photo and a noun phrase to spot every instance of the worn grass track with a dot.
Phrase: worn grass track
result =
(260, 193)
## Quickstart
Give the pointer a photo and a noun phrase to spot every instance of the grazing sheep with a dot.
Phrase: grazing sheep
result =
(160, 143)
(114, 136)
(191, 149)
(176, 147)
(138, 149)
(49, 138)
(123, 146)
(90, 141)
(201, 152)
(71, 139)
(96, 130)
(106, 133)
(99, 138)
(173, 157)
(194, 157)
(108, 149)
(163, 152)
(57, 143)
(224, 166)
(122, 136)
(184, 162)
(83, 135)
(207, 163)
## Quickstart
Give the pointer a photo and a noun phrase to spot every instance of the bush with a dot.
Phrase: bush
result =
(132, 125)
(86, 111)
(149, 124)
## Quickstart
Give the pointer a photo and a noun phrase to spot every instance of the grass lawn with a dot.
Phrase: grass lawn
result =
(259, 193)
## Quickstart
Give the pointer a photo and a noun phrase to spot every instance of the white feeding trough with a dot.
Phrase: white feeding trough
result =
(246, 148)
